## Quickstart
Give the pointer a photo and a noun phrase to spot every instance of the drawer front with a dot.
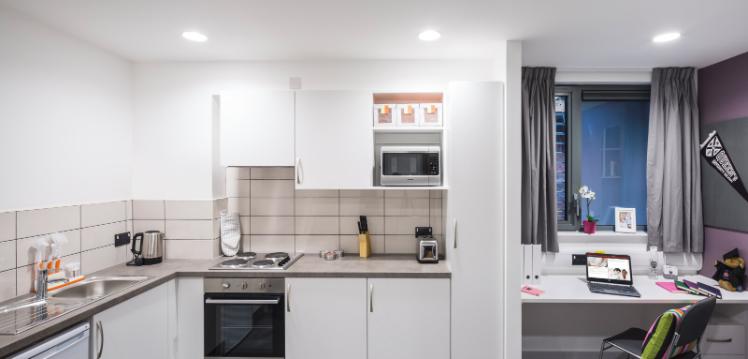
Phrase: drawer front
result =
(724, 339)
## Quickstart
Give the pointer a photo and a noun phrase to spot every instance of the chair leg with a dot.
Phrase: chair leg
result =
(602, 349)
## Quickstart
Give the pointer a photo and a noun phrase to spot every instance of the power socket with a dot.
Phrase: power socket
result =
(121, 239)
(578, 259)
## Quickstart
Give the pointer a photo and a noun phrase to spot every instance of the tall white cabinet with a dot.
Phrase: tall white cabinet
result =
(334, 140)
(257, 128)
(474, 217)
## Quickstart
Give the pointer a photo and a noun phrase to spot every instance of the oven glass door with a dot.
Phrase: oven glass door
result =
(244, 326)
(404, 164)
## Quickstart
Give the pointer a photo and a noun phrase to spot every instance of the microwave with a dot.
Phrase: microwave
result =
(410, 166)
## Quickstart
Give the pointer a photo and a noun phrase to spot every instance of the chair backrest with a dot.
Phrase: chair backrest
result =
(694, 322)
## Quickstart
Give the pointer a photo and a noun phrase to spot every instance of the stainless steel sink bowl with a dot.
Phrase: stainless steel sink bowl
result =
(23, 313)
(96, 287)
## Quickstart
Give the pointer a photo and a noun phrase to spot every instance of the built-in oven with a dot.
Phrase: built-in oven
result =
(410, 166)
(244, 318)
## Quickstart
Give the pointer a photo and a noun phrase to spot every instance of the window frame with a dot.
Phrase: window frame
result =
(575, 93)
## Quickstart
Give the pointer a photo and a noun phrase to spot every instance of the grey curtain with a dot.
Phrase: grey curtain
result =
(539, 158)
(674, 216)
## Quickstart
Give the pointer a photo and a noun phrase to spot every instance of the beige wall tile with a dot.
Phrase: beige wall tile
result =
(191, 249)
(272, 243)
(128, 209)
(272, 188)
(238, 205)
(317, 206)
(7, 226)
(48, 220)
(103, 213)
(237, 173)
(97, 259)
(404, 225)
(271, 207)
(26, 252)
(317, 225)
(314, 243)
(246, 224)
(406, 206)
(123, 254)
(8, 256)
(436, 193)
(400, 244)
(147, 209)
(100, 236)
(437, 224)
(272, 225)
(219, 205)
(316, 193)
(361, 206)
(238, 188)
(246, 245)
(435, 206)
(349, 244)
(349, 225)
(142, 225)
(415, 193)
(361, 193)
(189, 229)
(189, 209)
(270, 173)
(7, 284)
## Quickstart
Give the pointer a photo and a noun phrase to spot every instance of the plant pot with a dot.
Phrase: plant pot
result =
(589, 226)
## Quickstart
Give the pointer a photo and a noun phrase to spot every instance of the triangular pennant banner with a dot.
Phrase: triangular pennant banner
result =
(715, 152)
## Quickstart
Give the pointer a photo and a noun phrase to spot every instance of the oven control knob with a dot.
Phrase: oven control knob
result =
(245, 285)
(226, 285)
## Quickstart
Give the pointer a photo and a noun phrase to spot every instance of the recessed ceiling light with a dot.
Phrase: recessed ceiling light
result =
(429, 35)
(666, 37)
(194, 36)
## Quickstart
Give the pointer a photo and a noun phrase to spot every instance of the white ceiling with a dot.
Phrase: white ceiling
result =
(568, 34)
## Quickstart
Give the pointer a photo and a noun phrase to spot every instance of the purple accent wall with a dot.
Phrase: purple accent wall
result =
(723, 95)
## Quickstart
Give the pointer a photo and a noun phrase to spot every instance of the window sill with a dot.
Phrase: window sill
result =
(640, 237)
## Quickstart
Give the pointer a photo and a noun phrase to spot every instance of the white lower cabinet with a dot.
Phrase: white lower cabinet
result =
(137, 328)
(358, 318)
(408, 318)
(326, 318)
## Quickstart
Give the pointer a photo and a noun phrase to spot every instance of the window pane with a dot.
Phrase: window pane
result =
(562, 117)
(614, 156)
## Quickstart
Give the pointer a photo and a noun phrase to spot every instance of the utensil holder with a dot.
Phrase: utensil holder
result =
(364, 245)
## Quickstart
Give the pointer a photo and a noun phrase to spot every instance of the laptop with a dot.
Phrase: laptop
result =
(610, 274)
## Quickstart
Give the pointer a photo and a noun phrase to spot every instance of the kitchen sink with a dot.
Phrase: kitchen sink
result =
(96, 287)
(26, 312)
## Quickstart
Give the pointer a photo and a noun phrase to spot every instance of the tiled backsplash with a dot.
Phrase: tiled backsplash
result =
(276, 217)
(89, 229)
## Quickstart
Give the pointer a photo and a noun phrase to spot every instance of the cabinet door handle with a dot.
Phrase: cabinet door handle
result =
(100, 329)
(299, 172)
(728, 340)
(288, 298)
(454, 235)
(371, 298)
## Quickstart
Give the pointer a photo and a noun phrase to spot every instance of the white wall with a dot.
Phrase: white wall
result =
(173, 108)
(65, 119)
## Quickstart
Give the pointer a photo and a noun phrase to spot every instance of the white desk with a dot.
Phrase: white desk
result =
(572, 289)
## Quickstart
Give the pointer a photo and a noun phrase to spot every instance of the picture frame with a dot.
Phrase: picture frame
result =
(385, 115)
(408, 115)
(431, 115)
(625, 220)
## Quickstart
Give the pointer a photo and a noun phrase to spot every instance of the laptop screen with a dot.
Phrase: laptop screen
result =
(609, 268)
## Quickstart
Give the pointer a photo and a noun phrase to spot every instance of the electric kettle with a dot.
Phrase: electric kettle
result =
(147, 247)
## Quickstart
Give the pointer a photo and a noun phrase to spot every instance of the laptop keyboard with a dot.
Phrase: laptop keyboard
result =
(613, 289)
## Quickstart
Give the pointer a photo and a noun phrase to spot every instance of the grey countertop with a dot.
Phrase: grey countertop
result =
(382, 266)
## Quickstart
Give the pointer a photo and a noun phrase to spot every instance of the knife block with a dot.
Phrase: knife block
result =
(364, 245)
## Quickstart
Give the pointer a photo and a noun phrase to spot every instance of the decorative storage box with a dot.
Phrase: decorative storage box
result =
(408, 115)
(385, 115)
(431, 115)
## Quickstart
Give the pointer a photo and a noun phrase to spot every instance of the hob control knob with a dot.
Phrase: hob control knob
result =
(226, 285)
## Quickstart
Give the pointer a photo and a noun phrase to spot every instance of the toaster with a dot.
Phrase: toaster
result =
(427, 250)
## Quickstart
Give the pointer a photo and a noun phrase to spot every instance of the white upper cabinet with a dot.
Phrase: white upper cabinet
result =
(474, 217)
(408, 318)
(334, 140)
(257, 128)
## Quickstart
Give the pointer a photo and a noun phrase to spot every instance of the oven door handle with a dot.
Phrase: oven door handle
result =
(242, 301)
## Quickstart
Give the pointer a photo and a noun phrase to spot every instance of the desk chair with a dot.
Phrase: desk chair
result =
(684, 336)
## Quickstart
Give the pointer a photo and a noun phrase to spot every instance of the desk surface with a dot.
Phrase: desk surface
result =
(572, 289)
